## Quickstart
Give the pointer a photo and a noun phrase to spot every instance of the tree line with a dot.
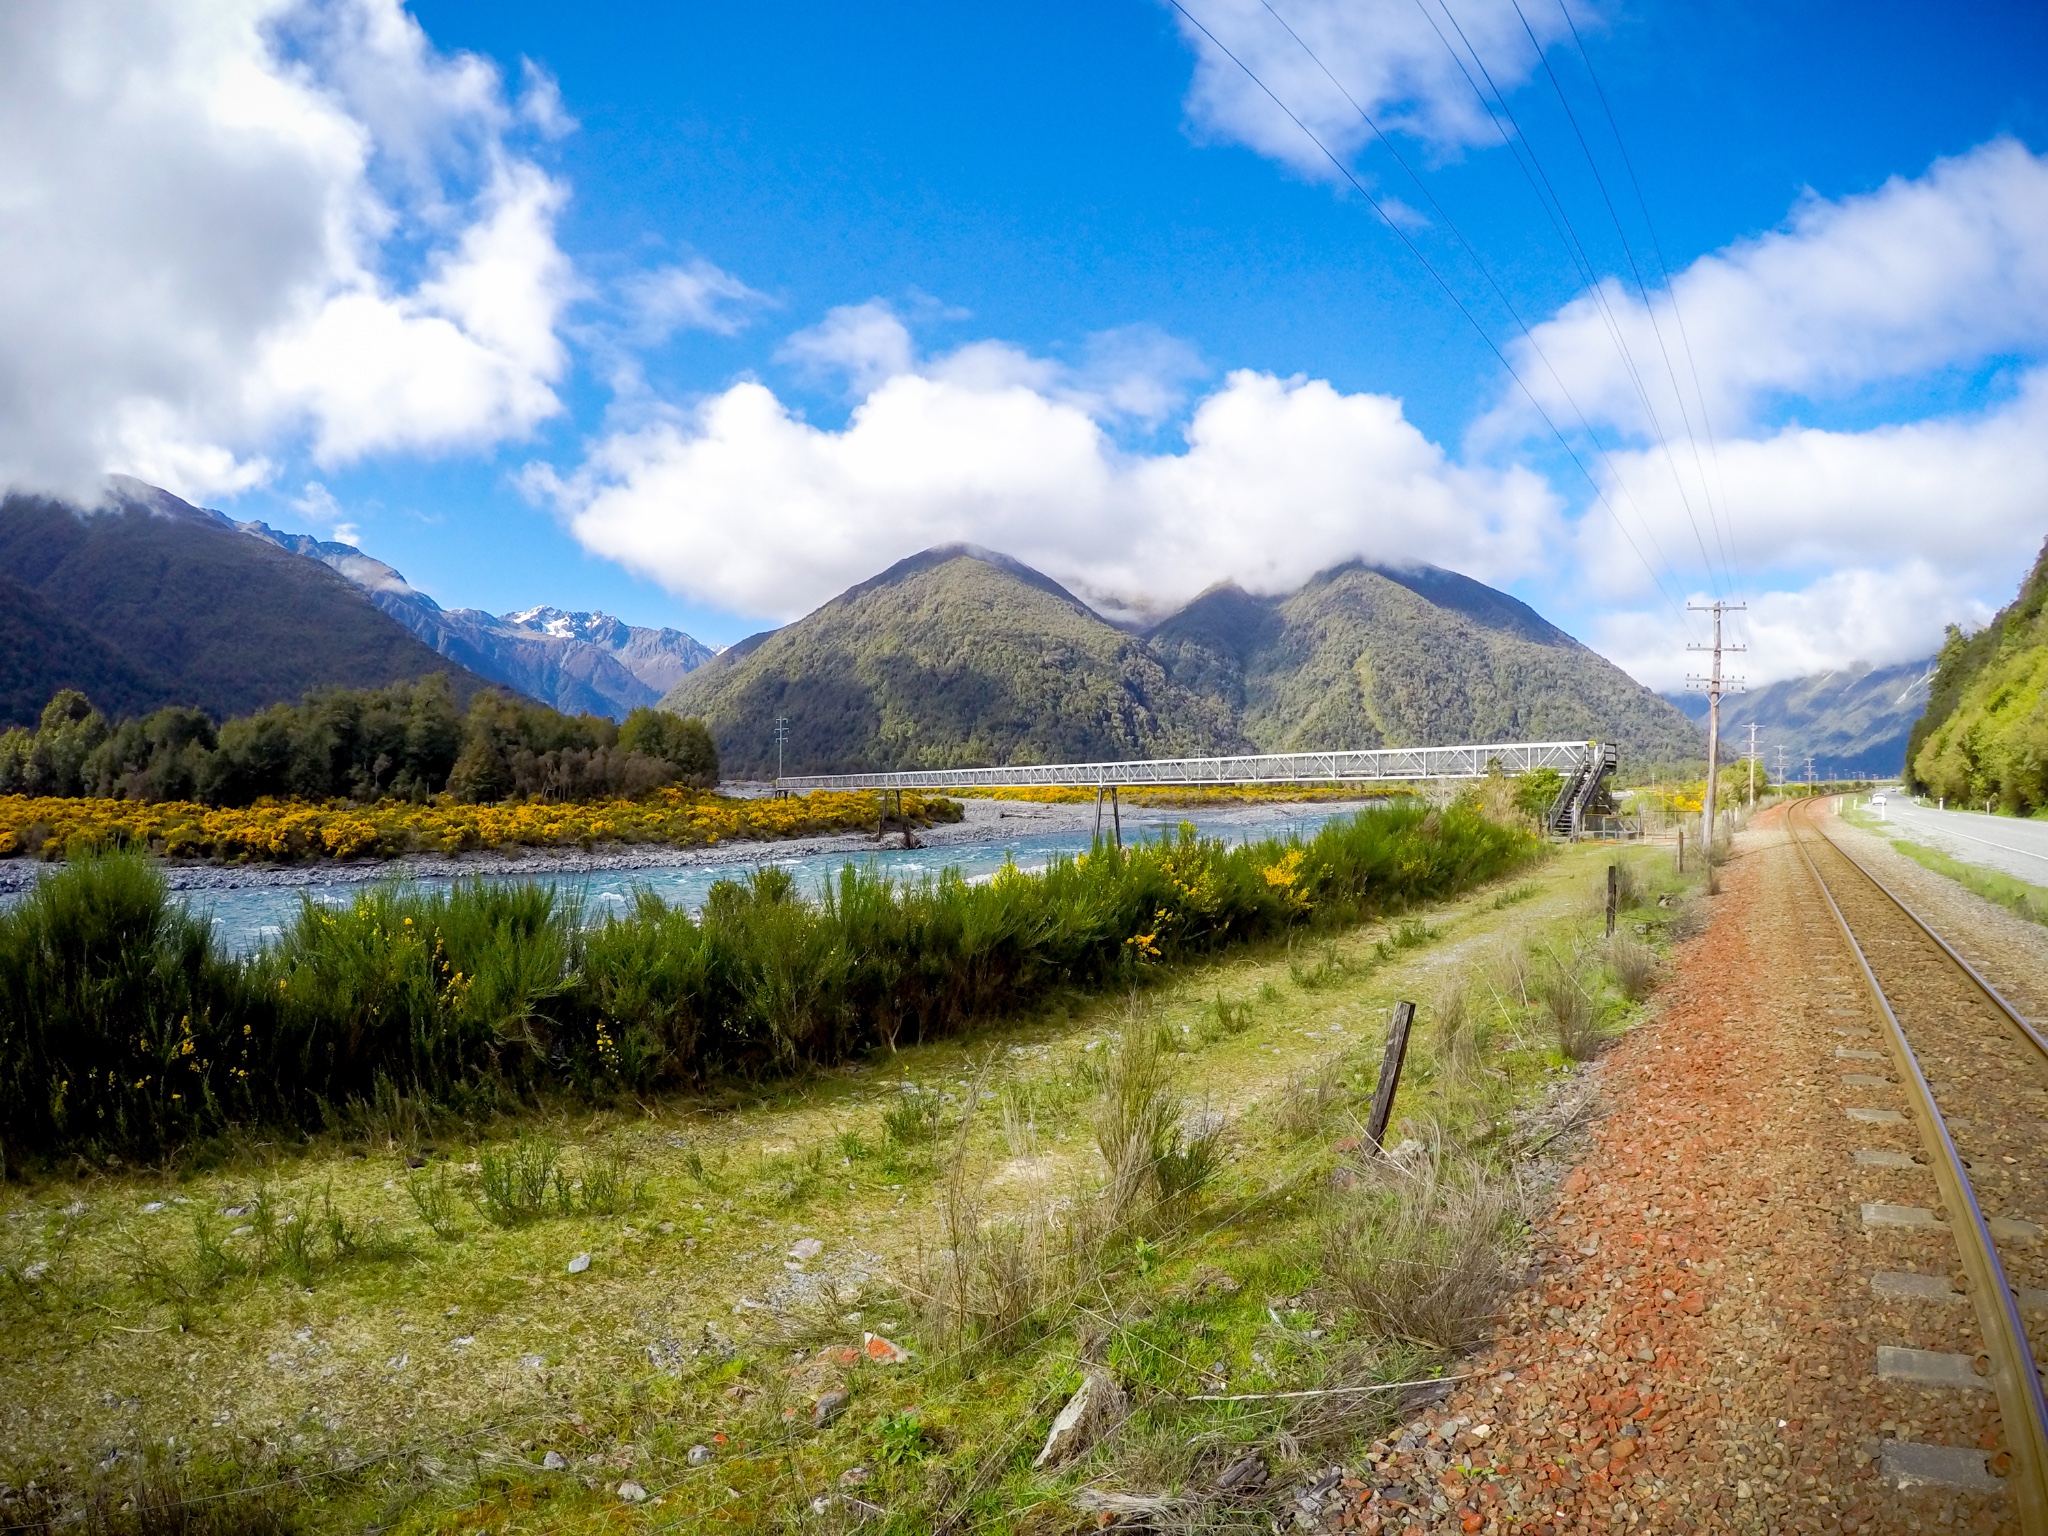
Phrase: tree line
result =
(409, 741)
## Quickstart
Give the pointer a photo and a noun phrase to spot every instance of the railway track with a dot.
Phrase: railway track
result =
(1952, 1084)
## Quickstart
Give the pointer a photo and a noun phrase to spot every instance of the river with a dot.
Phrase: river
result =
(250, 905)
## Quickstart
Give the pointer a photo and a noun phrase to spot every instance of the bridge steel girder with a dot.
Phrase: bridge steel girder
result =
(1380, 765)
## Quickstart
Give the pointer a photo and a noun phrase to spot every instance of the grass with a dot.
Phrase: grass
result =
(1102, 1182)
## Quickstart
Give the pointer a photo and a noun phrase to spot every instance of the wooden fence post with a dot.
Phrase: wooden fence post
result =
(1390, 1074)
(1613, 894)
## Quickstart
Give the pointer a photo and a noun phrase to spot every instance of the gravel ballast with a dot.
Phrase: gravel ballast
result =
(1697, 1347)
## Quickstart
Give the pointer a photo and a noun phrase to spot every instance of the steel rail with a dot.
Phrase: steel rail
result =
(1380, 764)
(2014, 1375)
(2012, 1015)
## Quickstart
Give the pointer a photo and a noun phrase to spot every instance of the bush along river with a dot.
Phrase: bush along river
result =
(251, 903)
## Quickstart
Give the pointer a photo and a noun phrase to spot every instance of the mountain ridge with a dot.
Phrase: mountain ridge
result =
(959, 655)
(176, 606)
(1855, 721)
(1984, 736)
(578, 662)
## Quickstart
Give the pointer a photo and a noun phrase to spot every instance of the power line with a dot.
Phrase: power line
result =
(1523, 150)
(1500, 293)
(1642, 291)
(1670, 292)
(1416, 251)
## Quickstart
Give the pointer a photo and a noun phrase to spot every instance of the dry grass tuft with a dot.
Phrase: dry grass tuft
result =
(1567, 1006)
(1459, 1032)
(1421, 1247)
(1634, 965)
(1306, 1099)
(156, 1500)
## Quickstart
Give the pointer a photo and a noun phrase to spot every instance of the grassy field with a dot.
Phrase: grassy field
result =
(591, 1321)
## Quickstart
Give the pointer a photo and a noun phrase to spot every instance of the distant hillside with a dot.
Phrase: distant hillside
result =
(962, 656)
(1368, 657)
(1853, 722)
(1985, 733)
(956, 656)
(163, 603)
(581, 663)
(41, 652)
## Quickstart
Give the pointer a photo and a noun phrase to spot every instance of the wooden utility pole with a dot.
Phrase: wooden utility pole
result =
(1715, 685)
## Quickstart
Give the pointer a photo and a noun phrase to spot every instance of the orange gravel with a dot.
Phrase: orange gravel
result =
(1696, 1349)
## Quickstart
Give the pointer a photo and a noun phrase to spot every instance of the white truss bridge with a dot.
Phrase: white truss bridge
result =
(1574, 759)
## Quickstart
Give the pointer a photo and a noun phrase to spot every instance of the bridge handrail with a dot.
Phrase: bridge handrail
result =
(1379, 764)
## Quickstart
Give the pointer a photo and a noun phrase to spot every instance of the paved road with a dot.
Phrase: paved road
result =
(2019, 848)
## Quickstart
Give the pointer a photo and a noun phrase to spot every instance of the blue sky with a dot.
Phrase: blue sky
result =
(698, 313)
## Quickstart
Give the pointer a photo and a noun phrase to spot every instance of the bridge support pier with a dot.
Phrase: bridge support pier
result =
(1115, 812)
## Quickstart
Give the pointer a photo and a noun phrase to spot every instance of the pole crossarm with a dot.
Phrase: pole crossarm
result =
(1381, 765)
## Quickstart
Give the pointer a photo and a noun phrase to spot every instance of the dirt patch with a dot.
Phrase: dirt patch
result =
(1696, 1348)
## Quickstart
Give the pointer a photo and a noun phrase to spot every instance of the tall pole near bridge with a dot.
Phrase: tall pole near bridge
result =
(1713, 683)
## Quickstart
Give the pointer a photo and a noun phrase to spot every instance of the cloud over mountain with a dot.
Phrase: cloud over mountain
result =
(741, 502)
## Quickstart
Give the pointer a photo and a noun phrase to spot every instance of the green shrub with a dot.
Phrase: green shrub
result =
(913, 1121)
(123, 1027)
(523, 1183)
(432, 991)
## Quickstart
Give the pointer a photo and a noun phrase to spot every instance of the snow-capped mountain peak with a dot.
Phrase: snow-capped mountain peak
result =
(598, 628)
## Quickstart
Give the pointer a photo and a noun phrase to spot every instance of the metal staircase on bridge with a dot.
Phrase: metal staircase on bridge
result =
(1581, 788)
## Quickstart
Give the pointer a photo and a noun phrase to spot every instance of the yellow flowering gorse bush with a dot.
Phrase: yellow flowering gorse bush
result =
(293, 831)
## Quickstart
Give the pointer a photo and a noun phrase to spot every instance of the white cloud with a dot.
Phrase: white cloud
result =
(858, 345)
(540, 102)
(741, 503)
(1967, 494)
(209, 212)
(1850, 544)
(1394, 58)
(1945, 270)
(690, 295)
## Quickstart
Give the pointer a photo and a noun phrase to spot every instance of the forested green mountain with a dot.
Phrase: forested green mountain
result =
(1370, 657)
(1985, 733)
(152, 601)
(961, 656)
(42, 652)
(956, 656)
(1853, 722)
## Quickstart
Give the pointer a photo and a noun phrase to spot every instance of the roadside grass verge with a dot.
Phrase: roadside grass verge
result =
(1128, 1184)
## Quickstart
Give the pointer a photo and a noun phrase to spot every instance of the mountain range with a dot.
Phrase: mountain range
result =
(581, 663)
(960, 655)
(152, 601)
(1853, 723)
